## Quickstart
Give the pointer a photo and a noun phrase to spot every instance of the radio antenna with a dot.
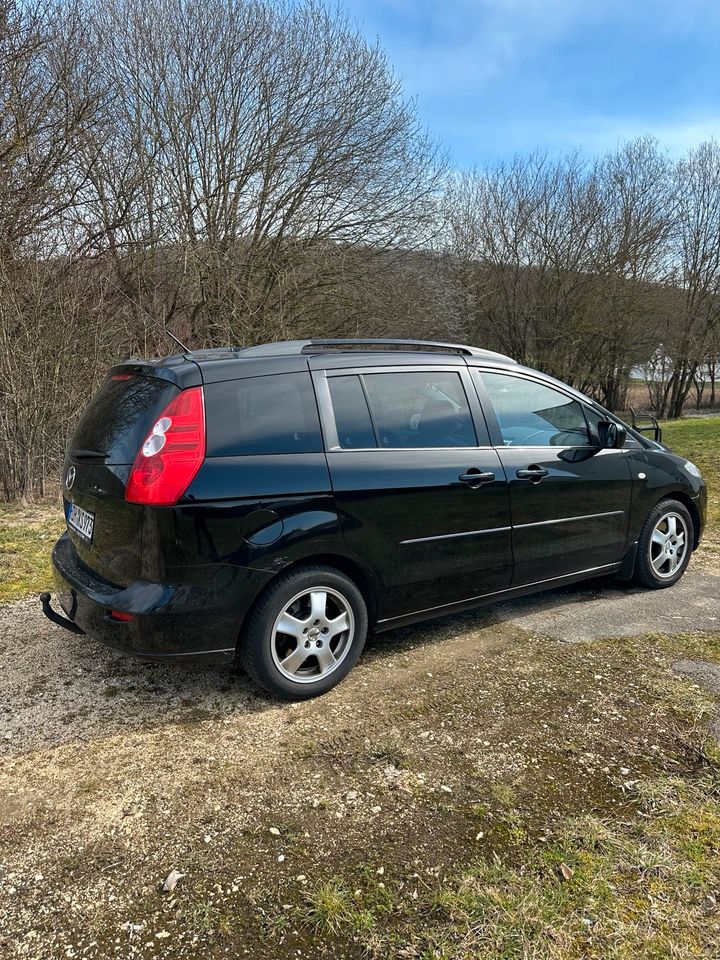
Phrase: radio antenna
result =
(147, 314)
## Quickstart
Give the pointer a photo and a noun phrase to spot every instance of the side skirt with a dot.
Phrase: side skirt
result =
(539, 586)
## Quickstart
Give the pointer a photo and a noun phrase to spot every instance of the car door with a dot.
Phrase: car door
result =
(569, 499)
(419, 498)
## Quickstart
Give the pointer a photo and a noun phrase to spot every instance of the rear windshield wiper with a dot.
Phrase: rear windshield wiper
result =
(82, 454)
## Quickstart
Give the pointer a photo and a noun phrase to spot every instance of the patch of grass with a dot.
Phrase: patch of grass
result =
(502, 793)
(205, 919)
(337, 907)
(698, 439)
(599, 890)
(27, 535)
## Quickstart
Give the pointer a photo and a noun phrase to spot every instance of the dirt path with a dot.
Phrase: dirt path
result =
(115, 771)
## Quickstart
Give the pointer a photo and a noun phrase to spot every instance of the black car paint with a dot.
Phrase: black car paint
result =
(418, 540)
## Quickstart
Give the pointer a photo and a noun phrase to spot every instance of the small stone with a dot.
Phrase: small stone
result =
(281, 858)
(375, 809)
(171, 881)
(274, 831)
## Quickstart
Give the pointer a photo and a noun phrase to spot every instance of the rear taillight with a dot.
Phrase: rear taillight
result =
(172, 452)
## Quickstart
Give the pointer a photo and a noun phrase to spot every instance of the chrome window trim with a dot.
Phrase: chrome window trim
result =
(400, 449)
(328, 426)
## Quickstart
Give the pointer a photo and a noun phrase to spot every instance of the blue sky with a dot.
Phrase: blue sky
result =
(497, 77)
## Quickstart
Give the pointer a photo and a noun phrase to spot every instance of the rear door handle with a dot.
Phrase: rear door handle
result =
(533, 473)
(476, 478)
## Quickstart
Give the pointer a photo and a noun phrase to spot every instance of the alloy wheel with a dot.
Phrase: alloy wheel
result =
(668, 545)
(312, 635)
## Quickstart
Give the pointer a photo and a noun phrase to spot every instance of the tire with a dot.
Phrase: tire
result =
(314, 653)
(664, 546)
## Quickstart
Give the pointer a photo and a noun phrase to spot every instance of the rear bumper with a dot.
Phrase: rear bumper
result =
(169, 621)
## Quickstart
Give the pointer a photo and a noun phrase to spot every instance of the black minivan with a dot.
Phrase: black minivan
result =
(273, 503)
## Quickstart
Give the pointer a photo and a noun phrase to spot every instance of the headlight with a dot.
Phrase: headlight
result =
(692, 469)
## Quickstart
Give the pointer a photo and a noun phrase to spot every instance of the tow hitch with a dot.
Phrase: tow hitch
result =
(57, 617)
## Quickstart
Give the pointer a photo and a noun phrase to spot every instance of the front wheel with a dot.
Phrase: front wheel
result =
(665, 545)
(306, 633)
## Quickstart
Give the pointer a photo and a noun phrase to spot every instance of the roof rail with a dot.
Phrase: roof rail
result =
(285, 347)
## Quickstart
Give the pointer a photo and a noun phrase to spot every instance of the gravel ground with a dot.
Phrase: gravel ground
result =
(113, 772)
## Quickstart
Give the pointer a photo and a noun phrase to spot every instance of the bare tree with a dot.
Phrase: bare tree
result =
(562, 263)
(251, 149)
(697, 273)
(47, 105)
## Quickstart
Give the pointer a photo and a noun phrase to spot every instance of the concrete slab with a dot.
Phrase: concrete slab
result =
(605, 608)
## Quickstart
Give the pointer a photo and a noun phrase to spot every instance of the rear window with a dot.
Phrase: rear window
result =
(273, 414)
(120, 415)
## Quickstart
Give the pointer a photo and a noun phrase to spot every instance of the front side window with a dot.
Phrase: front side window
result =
(531, 414)
(419, 410)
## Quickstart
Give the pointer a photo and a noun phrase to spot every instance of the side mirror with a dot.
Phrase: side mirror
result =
(611, 435)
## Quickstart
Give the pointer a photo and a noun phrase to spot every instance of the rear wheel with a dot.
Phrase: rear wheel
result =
(306, 633)
(665, 545)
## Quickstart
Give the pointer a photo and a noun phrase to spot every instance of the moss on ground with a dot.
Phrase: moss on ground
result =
(27, 534)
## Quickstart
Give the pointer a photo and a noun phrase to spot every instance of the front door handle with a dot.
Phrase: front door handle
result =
(532, 473)
(476, 478)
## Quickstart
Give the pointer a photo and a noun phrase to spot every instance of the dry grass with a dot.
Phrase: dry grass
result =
(27, 534)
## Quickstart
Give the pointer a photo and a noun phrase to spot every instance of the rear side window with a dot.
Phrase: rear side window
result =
(406, 410)
(420, 410)
(273, 414)
(120, 415)
(352, 417)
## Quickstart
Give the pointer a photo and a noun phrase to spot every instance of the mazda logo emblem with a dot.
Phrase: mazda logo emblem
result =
(70, 478)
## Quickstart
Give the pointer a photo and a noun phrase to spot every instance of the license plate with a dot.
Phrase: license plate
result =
(81, 521)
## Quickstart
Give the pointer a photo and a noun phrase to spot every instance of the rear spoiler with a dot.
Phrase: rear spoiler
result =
(178, 370)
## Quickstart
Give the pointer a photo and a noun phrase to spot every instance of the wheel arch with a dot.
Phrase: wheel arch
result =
(354, 569)
(682, 497)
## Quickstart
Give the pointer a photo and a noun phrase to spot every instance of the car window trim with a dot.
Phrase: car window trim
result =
(363, 387)
(328, 426)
